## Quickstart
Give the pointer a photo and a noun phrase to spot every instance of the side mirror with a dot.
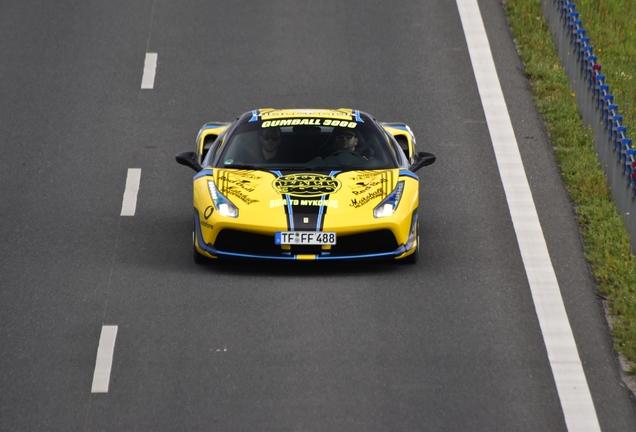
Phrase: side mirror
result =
(422, 159)
(189, 159)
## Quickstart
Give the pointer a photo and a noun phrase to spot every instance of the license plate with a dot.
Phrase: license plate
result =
(305, 238)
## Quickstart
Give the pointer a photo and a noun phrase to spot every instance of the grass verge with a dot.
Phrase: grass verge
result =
(607, 246)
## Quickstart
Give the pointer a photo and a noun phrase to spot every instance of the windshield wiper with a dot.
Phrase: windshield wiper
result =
(241, 166)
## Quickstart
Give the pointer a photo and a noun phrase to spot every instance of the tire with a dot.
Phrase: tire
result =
(412, 259)
(198, 258)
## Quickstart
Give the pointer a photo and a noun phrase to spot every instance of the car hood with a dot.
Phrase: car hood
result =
(305, 192)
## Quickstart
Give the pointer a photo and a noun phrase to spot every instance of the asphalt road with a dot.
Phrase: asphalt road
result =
(451, 344)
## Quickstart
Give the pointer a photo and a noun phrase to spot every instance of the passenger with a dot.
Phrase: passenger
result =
(270, 139)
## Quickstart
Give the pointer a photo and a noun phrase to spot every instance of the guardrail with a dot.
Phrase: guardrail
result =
(597, 106)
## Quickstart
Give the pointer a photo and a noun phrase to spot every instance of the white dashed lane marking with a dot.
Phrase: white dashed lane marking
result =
(129, 204)
(150, 68)
(104, 362)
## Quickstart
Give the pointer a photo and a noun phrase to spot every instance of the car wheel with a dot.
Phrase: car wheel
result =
(412, 259)
(198, 258)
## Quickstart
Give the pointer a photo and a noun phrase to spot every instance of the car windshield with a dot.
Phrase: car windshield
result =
(307, 143)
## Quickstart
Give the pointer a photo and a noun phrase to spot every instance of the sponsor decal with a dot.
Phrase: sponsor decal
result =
(303, 202)
(364, 200)
(208, 212)
(309, 122)
(207, 225)
(301, 113)
(366, 176)
(362, 187)
(306, 185)
(243, 184)
(243, 174)
(240, 195)
(324, 203)
(277, 203)
(238, 184)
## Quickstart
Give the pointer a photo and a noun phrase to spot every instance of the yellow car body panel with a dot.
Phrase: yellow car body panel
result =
(263, 210)
(208, 134)
(405, 138)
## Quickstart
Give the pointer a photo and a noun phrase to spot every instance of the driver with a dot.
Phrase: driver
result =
(346, 140)
(342, 151)
(345, 153)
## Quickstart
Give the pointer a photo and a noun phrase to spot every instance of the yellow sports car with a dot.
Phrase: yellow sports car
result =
(305, 184)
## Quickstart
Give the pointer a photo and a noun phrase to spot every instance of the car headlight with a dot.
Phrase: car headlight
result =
(389, 204)
(223, 205)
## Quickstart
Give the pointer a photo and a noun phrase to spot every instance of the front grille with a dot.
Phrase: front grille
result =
(241, 242)
(365, 243)
(246, 243)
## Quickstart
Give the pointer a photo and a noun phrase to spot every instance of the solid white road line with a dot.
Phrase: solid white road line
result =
(104, 362)
(129, 204)
(150, 68)
(571, 384)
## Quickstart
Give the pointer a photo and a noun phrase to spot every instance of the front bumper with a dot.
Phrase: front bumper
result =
(379, 244)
